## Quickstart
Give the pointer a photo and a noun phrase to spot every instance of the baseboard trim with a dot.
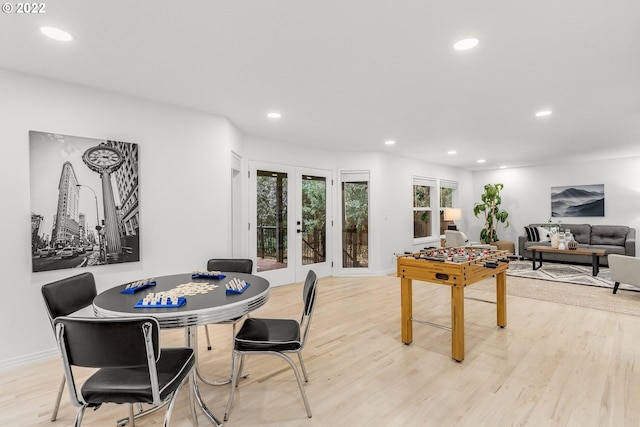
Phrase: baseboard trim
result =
(28, 359)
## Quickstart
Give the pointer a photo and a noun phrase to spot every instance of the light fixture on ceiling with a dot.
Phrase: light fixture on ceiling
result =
(56, 34)
(452, 152)
(503, 167)
(466, 44)
(274, 115)
(389, 142)
(543, 113)
(481, 161)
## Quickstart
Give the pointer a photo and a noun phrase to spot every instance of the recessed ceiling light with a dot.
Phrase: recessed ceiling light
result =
(466, 44)
(543, 113)
(503, 167)
(452, 152)
(481, 160)
(56, 34)
(274, 115)
(390, 142)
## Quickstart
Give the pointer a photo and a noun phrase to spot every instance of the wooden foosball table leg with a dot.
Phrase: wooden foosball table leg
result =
(406, 300)
(457, 322)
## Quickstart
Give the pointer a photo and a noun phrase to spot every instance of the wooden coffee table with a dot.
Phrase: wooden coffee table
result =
(595, 254)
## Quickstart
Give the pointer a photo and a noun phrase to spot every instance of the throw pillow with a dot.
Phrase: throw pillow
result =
(543, 235)
(532, 234)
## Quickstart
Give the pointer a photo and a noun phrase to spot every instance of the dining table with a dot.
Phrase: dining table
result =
(206, 300)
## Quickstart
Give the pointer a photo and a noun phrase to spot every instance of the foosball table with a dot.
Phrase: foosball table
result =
(456, 268)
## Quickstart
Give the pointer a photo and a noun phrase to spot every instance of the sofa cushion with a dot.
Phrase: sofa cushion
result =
(532, 234)
(609, 234)
(581, 232)
(543, 234)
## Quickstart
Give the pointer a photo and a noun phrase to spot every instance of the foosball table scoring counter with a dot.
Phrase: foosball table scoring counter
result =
(456, 268)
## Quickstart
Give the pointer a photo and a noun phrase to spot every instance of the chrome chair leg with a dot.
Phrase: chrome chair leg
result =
(241, 368)
(235, 375)
(172, 401)
(234, 380)
(304, 370)
(192, 401)
(295, 371)
(132, 418)
(56, 406)
(206, 334)
(141, 413)
(79, 416)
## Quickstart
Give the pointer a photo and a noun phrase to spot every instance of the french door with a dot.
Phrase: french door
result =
(290, 221)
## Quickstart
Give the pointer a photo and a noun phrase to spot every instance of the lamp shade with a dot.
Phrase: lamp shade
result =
(452, 214)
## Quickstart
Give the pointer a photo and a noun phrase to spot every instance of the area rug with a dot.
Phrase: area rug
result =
(565, 284)
(566, 273)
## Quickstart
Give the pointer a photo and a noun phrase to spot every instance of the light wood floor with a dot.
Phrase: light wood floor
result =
(553, 365)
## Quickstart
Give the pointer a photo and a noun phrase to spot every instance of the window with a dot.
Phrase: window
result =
(423, 194)
(355, 219)
(447, 197)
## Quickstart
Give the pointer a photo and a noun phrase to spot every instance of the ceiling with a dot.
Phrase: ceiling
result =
(350, 74)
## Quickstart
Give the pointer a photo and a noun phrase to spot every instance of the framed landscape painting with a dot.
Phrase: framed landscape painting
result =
(84, 201)
(577, 200)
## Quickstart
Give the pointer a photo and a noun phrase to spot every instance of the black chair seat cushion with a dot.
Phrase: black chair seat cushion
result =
(117, 385)
(259, 334)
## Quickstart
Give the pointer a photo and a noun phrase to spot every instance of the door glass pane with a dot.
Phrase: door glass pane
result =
(314, 219)
(271, 207)
(355, 224)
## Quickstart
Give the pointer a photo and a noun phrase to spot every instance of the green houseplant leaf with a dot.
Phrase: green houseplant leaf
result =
(490, 208)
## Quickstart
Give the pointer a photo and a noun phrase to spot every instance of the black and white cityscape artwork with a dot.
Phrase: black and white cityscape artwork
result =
(577, 200)
(84, 201)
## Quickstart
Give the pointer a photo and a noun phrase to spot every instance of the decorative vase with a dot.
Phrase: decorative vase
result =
(555, 240)
(572, 244)
(562, 242)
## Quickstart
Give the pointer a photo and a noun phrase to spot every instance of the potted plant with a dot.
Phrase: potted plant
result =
(490, 207)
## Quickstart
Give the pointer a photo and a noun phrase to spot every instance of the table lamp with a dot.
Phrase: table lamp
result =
(452, 214)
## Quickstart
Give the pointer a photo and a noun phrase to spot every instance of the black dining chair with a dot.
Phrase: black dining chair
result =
(232, 265)
(275, 337)
(62, 298)
(131, 366)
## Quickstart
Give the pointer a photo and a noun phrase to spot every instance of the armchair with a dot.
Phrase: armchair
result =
(455, 238)
(624, 269)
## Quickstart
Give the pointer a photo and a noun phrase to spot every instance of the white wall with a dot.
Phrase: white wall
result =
(527, 193)
(184, 155)
(397, 200)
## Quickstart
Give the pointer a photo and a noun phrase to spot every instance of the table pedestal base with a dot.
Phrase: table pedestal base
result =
(191, 341)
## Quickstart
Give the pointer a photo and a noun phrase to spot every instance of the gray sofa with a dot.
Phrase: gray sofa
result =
(615, 239)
